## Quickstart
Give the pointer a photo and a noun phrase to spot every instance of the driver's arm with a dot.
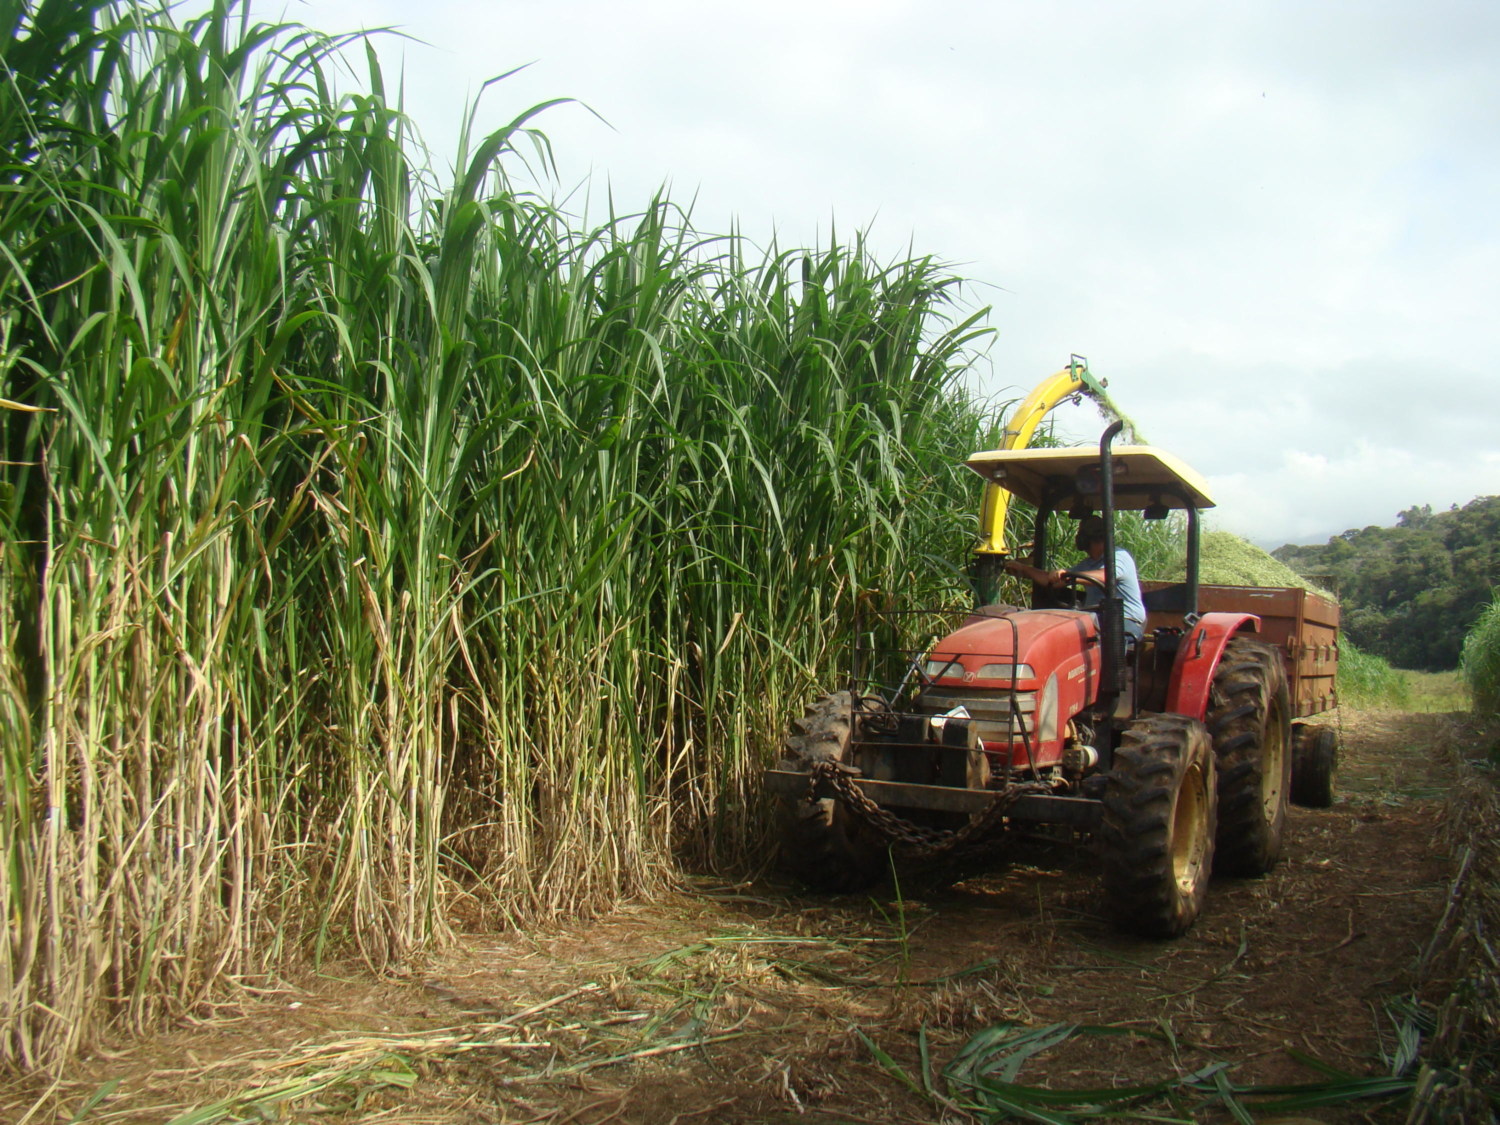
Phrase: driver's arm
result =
(1036, 574)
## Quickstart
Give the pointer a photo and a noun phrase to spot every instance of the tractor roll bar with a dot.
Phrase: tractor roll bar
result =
(1112, 611)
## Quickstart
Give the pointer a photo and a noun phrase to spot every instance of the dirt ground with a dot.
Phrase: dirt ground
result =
(756, 1004)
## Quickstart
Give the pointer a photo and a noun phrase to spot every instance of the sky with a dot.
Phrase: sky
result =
(1274, 228)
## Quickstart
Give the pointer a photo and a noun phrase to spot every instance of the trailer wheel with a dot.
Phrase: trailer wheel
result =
(823, 844)
(1315, 765)
(1250, 720)
(1157, 833)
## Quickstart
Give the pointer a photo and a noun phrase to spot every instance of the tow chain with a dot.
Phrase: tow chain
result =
(912, 839)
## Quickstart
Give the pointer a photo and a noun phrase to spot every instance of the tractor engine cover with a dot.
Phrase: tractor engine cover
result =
(1021, 676)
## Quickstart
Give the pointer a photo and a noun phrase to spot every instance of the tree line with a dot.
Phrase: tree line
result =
(1411, 592)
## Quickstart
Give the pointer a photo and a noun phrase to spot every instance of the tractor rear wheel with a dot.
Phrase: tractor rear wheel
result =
(1157, 834)
(1250, 720)
(823, 844)
(1315, 766)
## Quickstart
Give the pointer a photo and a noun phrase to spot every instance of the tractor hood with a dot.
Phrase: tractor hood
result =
(1023, 647)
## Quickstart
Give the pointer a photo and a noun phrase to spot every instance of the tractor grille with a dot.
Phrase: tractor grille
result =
(994, 719)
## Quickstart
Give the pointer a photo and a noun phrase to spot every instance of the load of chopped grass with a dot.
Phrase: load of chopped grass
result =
(1228, 560)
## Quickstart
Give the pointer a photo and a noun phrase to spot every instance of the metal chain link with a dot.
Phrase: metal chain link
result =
(913, 839)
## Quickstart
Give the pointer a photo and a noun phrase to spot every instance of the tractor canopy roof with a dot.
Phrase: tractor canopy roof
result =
(1064, 479)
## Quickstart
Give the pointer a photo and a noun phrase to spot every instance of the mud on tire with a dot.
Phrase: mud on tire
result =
(822, 843)
(1249, 718)
(1157, 833)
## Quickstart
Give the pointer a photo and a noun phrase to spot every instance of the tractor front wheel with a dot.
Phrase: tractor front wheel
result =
(822, 843)
(1250, 720)
(1157, 834)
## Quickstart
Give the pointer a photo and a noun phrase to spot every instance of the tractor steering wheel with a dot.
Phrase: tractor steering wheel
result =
(1075, 585)
(1084, 580)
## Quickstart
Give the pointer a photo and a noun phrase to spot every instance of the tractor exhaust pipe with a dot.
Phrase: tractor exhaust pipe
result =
(1112, 611)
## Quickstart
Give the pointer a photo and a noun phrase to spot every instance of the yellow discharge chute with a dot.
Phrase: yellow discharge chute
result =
(1069, 384)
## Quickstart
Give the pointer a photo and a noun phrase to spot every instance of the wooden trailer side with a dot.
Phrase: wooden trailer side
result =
(1304, 625)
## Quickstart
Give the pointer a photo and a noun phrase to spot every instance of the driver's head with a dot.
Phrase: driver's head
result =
(1090, 534)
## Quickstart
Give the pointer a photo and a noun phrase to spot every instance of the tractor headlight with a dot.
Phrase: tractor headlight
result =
(1006, 672)
(952, 669)
(936, 669)
(1047, 711)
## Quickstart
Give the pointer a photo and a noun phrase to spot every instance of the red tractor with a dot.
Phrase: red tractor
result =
(1174, 753)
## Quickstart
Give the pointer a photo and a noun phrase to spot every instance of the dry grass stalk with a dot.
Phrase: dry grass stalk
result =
(1460, 1069)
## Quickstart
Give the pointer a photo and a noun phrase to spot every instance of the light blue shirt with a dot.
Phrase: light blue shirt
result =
(1130, 590)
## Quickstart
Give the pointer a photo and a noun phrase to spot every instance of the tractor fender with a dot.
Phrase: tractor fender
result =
(1198, 660)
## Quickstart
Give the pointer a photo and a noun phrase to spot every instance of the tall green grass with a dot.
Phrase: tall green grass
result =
(1480, 663)
(1367, 680)
(369, 545)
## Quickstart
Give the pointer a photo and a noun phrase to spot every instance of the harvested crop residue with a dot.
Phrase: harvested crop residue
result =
(754, 1004)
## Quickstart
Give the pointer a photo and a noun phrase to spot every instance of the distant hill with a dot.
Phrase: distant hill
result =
(1411, 592)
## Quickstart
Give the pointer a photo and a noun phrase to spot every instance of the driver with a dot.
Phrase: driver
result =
(1090, 540)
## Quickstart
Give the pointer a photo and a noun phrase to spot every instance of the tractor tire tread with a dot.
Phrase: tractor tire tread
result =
(1315, 755)
(1249, 718)
(1143, 889)
(822, 844)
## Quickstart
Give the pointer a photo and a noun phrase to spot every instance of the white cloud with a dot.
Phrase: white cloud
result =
(1314, 496)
